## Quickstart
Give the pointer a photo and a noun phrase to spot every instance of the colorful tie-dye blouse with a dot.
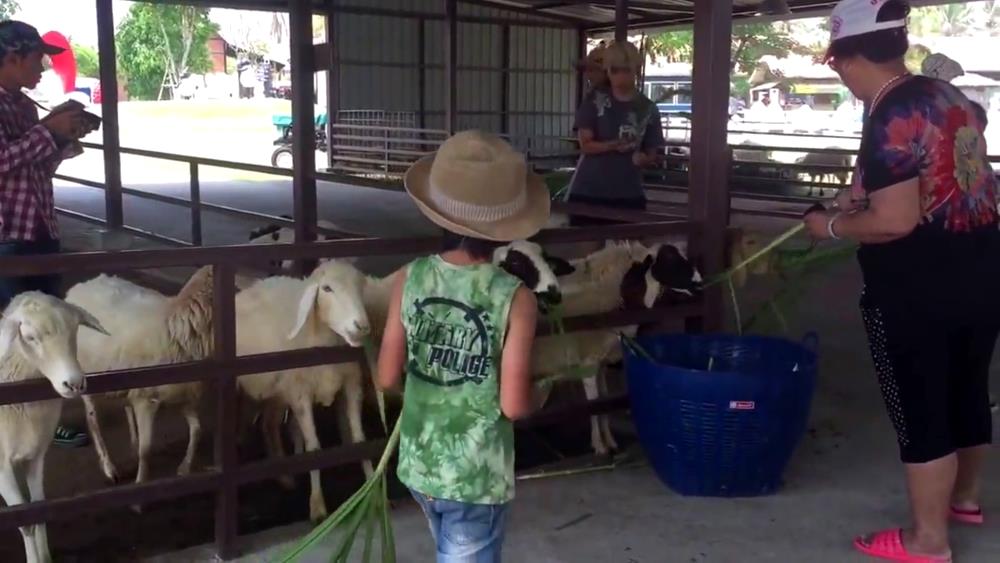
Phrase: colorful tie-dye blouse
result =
(927, 129)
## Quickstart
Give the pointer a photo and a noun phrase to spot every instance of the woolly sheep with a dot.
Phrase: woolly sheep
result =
(283, 313)
(149, 329)
(622, 275)
(37, 340)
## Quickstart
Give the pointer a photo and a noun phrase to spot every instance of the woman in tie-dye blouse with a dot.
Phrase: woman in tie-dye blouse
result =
(923, 205)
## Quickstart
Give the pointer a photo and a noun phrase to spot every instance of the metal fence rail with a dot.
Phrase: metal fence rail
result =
(224, 366)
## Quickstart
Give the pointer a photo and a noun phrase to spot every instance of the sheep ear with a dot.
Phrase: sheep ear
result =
(306, 305)
(86, 319)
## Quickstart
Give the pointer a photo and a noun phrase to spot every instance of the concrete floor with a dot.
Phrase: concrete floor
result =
(844, 480)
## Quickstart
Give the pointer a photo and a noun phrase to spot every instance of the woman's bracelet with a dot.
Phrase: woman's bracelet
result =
(829, 226)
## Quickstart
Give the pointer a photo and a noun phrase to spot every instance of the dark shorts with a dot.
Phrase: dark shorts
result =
(11, 287)
(934, 376)
(638, 204)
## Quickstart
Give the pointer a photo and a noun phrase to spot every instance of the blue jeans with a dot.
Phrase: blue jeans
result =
(11, 287)
(464, 532)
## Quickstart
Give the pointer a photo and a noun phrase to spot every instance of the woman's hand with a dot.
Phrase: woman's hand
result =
(846, 203)
(818, 224)
(644, 160)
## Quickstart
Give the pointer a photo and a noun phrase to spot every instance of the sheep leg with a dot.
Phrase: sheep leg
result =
(304, 415)
(353, 397)
(35, 479)
(270, 427)
(11, 492)
(130, 417)
(596, 439)
(602, 388)
(94, 426)
(145, 413)
(194, 435)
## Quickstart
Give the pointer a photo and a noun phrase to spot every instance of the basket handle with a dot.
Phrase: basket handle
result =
(635, 347)
(810, 341)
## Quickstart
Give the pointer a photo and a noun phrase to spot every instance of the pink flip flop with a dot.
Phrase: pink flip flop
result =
(971, 517)
(888, 545)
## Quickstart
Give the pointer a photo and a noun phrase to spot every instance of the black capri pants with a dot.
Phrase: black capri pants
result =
(934, 375)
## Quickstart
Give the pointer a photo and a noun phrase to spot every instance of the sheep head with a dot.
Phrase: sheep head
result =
(334, 293)
(528, 262)
(679, 279)
(42, 329)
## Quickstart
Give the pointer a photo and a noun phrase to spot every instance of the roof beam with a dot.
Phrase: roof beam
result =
(531, 11)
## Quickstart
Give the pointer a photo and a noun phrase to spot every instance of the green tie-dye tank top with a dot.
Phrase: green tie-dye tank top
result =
(455, 444)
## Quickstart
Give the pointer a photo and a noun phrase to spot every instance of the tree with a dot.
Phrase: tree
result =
(160, 44)
(750, 42)
(86, 60)
(8, 8)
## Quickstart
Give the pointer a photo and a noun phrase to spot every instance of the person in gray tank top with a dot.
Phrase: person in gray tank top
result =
(458, 339)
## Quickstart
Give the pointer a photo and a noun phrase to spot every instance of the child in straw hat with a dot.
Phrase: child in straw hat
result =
(461, 330)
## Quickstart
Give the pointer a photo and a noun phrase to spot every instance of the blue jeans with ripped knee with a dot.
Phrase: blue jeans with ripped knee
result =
(464, 532)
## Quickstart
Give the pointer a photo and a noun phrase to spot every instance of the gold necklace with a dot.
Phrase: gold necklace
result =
(884, 88)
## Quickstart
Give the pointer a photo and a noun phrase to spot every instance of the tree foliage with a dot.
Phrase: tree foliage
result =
(87, 63)
(8, 8)
(751, 41)
(160, 44)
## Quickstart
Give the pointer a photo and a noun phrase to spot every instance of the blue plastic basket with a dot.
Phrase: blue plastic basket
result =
(721, 415)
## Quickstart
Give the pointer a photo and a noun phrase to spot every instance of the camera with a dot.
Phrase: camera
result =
(93, 121)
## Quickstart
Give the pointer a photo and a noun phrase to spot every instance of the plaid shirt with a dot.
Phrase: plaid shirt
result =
(29, 156)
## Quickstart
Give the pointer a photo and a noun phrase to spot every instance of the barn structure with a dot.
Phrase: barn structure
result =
(440, 66)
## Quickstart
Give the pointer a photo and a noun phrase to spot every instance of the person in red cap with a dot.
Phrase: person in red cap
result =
(30, 151)
(924, 209)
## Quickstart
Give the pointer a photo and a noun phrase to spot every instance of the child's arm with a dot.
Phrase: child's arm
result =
(392, 354)
(516, 387)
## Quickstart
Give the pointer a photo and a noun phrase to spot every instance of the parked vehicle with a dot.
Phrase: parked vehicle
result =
(282, 155)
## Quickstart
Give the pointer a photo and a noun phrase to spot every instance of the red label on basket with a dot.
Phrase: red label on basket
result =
(742, 405)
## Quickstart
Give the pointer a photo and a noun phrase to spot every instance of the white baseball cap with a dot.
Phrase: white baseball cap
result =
(857, 17)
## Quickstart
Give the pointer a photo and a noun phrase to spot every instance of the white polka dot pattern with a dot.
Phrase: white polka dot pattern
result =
(885, 370)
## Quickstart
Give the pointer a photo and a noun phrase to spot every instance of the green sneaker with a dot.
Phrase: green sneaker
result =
(70, 438)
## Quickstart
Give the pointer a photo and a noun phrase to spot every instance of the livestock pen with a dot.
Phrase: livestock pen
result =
(705, 223)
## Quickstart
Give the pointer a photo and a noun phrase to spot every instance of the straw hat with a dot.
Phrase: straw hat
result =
(477, 185)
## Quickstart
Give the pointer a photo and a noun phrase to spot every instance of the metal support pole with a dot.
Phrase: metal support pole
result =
(226, 456)
(709, 193)
(581, 53)
(422, 72)
(195, 196)
(114, 216)
(332, 81)
(505, 79)
(451, 66)
(303, 124)
(621, 20)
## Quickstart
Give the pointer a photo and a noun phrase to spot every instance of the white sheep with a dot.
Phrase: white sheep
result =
(523, 259)
(622, 275)
(283, 313)
(149, 329)
(37, 340)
